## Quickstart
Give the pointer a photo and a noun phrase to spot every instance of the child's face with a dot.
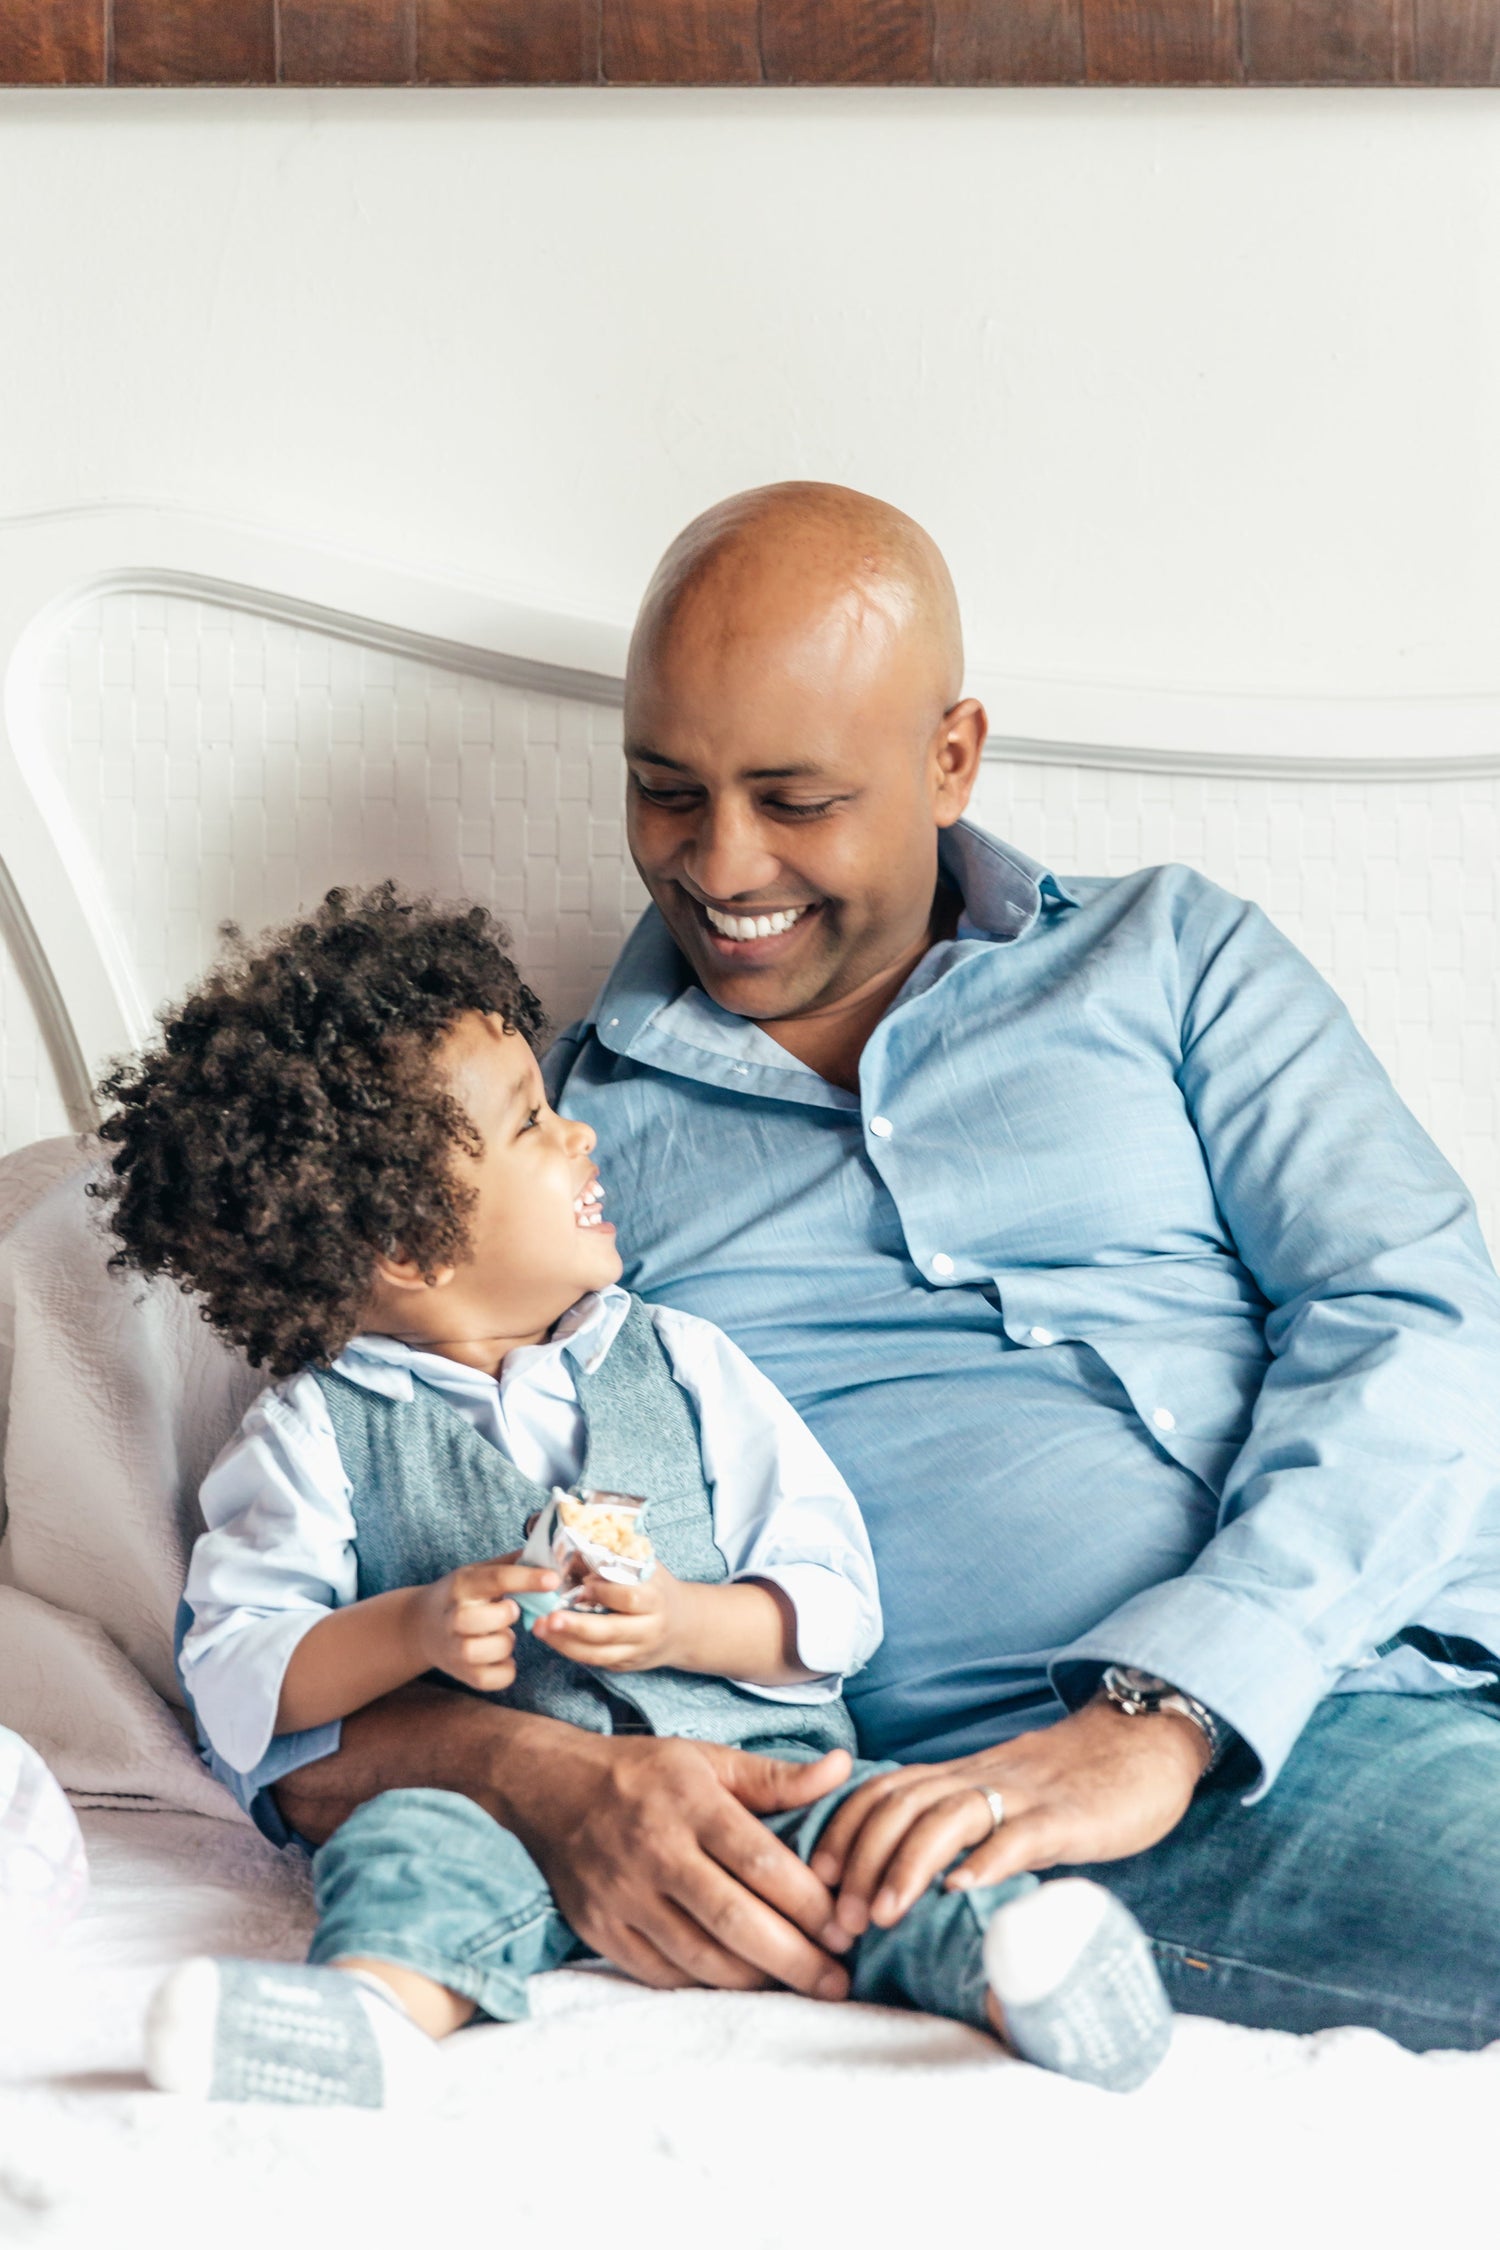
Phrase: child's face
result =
(537, 1243)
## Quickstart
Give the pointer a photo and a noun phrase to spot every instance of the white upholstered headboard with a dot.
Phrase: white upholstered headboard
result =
(203, 721)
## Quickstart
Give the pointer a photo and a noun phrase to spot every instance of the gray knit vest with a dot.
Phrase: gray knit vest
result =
(429, 1493)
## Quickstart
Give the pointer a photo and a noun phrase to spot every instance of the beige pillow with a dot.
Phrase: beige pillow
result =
(114, 1400)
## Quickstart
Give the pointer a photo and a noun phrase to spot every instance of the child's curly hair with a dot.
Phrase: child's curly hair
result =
(289, 1124)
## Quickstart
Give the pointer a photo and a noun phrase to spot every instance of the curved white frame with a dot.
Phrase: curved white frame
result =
(51, 900)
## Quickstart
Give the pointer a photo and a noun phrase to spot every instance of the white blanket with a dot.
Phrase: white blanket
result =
(694, 2121)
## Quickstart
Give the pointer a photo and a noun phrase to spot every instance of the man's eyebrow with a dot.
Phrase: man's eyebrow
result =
(807, 770)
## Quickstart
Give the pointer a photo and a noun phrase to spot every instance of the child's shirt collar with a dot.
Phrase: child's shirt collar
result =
(584, 1334)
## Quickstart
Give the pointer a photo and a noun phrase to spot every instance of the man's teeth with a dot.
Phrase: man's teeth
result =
(586, 1205)
(753, 925)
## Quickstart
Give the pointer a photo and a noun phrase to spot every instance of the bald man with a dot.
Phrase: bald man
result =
(1157, 1342)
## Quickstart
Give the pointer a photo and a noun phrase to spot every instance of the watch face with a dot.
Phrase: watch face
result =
(1135, 1682)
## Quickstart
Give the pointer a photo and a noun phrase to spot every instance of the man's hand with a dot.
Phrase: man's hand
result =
(1100, 1784)
(636, 1633)
(654, 1853)
(652, 1847)
(462, 1624)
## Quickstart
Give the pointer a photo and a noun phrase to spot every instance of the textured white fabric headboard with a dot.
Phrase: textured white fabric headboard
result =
(207, 725)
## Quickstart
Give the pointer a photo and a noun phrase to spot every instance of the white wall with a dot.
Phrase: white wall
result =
(1195, 388)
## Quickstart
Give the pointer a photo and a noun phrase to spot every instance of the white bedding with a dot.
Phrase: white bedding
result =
(620, 2116)
(615, 2116)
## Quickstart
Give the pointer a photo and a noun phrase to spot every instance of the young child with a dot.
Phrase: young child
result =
(342, 1144)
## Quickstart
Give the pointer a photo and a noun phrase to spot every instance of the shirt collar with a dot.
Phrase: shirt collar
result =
(1003, 890)
(392, 1369)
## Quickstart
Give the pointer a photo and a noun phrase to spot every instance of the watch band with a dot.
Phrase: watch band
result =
(1138, 1693)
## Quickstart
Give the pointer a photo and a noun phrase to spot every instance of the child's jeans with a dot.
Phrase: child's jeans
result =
(424, 1878)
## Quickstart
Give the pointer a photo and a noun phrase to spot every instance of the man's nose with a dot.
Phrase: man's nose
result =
(727, 857)
(578, 1137)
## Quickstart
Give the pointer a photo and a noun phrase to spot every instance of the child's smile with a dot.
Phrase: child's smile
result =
(587, 1206)
(538, 1239)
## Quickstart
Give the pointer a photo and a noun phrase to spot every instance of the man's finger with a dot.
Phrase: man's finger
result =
(633, 1951)
(739, 1919)
(875, 1846)
(1036, 1839)
(767, 1785)
(757, 1898)
(692, 1956)
(932, 1843)
(837, 1839)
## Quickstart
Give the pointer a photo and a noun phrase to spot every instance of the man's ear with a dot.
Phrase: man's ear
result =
(405, 1273)
(956, 751)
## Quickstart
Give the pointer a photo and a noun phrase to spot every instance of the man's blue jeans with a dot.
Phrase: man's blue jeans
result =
(1363, 1889)
(423, 1877)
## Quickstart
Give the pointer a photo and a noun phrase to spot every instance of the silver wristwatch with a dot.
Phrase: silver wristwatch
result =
(1137, 1693)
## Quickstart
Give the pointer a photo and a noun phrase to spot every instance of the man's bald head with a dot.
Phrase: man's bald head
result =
(795, 742)
(815, 563)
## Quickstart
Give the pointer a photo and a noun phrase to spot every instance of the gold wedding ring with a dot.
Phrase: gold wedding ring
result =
(996, 1803)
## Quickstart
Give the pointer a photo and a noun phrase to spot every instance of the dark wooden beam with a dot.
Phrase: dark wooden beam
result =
(684, 43)
(508, 42)
(53, 42)
(750, 42)
(193, 42)
(846, 42)
(348, 42)
(1008, 42)
(1457, 43)
(1161, 42)
(1326, 42)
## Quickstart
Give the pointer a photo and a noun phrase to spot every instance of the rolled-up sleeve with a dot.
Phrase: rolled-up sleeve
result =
(782, 1512)
(277, 1555)
(1374, 1443)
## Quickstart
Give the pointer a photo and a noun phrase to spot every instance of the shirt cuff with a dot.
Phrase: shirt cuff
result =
(1251, 1668)
(827, 1615)
(235, 1703)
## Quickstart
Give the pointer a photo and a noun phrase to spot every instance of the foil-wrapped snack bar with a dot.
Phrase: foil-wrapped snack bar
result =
(583, 1534)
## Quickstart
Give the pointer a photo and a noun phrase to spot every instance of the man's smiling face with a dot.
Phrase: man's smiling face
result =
(786, 733)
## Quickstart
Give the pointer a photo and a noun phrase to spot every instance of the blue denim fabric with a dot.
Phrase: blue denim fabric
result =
(424, 1878)
(1364, 1889)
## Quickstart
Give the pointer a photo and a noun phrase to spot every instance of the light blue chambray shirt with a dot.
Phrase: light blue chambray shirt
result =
(1143, 1319)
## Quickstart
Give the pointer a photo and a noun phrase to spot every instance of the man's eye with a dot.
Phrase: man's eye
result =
(671, 797)
(802, 812)
(531, 1118)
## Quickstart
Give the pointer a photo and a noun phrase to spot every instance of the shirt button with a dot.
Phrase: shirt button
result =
(1042, 1336)
(1164, 1418)
(613, 1024)
(882, 1128)
(941, 1262)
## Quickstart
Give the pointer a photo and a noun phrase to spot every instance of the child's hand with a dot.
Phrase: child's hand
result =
(461, 1624)
(638, 1635)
